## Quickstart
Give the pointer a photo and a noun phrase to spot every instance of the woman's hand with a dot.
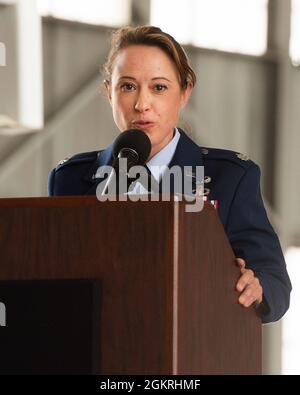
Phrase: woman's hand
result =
(248, 285)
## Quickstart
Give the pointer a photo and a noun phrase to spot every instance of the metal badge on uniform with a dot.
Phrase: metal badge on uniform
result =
(61, 162)
(242, 156)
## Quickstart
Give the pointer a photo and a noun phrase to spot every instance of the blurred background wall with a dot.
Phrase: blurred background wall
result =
(246, 54)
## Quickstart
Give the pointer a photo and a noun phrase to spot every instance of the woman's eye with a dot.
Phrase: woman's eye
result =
(160, 88)
(127, 87)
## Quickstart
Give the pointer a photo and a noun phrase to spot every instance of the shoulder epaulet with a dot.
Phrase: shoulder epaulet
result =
(78, 159)
(227, 155)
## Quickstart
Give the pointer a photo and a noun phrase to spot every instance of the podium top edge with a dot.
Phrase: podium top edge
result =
(73, 201)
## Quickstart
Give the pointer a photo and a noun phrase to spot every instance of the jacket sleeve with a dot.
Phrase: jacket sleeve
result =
(253, 239)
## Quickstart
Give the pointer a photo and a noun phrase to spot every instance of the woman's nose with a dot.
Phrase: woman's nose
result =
(142, 102)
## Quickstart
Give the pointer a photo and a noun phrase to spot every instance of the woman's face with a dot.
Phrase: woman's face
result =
(145, 93)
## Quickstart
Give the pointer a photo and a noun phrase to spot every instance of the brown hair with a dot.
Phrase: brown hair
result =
(152, 36)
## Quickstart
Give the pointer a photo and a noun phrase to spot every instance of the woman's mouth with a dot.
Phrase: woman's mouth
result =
(143, 124)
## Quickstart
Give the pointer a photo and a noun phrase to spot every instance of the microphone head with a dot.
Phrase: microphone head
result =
(136, 140)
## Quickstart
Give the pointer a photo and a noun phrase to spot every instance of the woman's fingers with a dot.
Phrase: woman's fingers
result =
(248, 285)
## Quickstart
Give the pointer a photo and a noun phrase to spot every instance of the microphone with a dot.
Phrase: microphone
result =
(133, 145)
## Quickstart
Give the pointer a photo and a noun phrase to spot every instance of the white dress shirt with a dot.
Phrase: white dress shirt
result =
(158, 164)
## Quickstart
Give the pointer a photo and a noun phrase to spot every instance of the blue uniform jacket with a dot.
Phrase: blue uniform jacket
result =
(234, 181)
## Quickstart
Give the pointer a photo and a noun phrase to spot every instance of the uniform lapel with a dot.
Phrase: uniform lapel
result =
(187, 153)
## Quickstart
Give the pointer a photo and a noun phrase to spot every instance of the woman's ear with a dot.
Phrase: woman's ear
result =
(107, 88)
(186, 95)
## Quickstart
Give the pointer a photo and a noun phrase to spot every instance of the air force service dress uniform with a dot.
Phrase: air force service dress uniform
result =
(233, 181)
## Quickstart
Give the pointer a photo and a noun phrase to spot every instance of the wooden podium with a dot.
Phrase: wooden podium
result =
(169, 304)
